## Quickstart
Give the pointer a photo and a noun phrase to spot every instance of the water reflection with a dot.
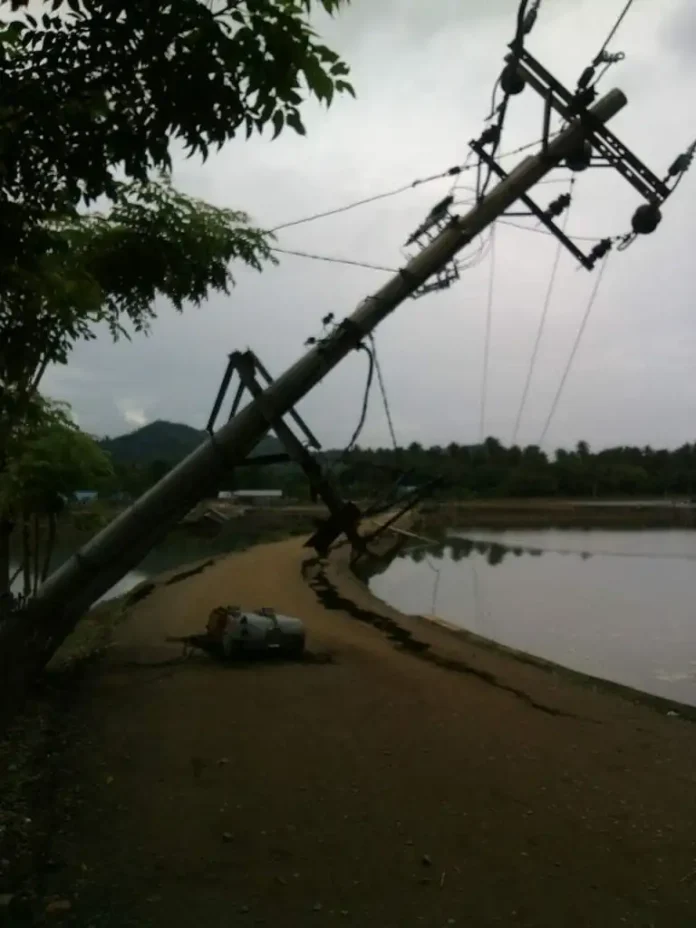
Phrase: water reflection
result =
(616, 604)
(458, 547)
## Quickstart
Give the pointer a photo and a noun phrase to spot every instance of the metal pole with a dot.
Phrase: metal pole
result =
(88, 574)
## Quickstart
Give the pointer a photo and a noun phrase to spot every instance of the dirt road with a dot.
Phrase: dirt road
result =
(413, 780)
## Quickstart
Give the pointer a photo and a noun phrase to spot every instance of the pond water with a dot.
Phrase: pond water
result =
(620, 605)
(174, 552)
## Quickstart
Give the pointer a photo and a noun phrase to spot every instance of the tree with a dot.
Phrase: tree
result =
(109, 267)
(55, 460)
(94, 89)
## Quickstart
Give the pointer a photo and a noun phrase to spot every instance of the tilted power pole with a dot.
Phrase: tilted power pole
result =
(27, 640)
(122, 544)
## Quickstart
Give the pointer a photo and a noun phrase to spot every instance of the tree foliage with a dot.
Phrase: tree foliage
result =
(492, 470)
(92, 88)
(94, 91)
(51, 461)
(110, 267)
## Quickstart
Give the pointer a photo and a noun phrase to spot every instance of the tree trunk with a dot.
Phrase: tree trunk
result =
(26, 554)
(6, 526)
(50, 544)
(36, 552)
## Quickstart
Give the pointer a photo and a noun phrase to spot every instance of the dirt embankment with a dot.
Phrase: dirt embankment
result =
(403, 776)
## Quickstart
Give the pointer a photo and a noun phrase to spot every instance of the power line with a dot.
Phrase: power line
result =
(542, 323)
(613, 31)
(366, 400)
(450, 172)
(575, 238)
(383, 391)
(332, 260)
(487, 340)
(525, 22)
(574, 350)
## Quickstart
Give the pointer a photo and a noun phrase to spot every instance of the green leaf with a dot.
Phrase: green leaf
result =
(295, 122)
(278, 123)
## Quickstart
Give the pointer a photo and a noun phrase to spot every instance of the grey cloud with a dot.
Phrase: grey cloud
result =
(678, 32)
(424, 72)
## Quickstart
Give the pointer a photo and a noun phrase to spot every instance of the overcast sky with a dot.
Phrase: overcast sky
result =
(423, 73)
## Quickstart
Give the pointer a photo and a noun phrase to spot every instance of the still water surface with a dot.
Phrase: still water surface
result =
(616, 604)
(172, 553)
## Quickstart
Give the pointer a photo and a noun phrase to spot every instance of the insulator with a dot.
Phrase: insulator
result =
(529, 20)
(600, 250)
(440, 208)
(580, 158)
(556, 207)
(512, 80)
(680, 164)
(646, 219)
(491, 135)
(586, 77)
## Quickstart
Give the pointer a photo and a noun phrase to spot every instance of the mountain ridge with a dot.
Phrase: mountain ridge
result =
(167, 441)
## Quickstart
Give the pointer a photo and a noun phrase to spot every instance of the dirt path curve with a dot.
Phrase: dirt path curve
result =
(380, 789)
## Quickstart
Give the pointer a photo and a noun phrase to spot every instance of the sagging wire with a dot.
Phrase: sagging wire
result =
(487, 338)
(589, 78)
(542, 323)
(450, 172)
(454, 171)
(333, 260)
(574, 350)
(383, 391)
(540, 231)
(436, 584)
(365, 401)
(526, 17)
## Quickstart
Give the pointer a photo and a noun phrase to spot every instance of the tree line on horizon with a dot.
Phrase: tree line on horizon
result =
(489, 470)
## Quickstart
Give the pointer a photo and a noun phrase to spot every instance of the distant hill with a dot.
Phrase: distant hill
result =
(166, 441)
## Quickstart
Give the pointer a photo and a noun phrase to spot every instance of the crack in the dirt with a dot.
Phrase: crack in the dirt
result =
(331, 599)
(185, 574)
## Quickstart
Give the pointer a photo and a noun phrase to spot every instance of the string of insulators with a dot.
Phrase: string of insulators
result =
(530, 18)
(600, 250)
(436, 214)
(559, 205)
(682, 162)
(489, 136)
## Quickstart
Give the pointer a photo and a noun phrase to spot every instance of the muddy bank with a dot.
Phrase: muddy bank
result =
(415, 778)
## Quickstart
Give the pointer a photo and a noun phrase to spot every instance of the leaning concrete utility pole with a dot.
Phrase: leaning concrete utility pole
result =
(118, 547)
(28, 640)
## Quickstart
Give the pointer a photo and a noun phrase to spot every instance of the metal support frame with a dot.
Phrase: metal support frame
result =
(570, 106)
(535, 210)
(344, 515)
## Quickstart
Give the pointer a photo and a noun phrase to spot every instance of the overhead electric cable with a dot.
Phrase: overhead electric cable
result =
(487, 338)
(450, 172)
(574, 238)
(613, 31)
(574, 350)
(542, 323)
(332, 260)
(525, 23)
(366, 399)
(383, 391)
(365, 201)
